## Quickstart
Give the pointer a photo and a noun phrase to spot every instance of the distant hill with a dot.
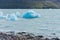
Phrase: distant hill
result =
(45, 4)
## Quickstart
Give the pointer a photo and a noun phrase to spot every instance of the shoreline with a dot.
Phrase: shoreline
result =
(23, 36)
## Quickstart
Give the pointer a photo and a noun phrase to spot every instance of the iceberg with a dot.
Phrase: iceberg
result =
(1, 15)
(17, 14)
(31, 14)
(11, 17)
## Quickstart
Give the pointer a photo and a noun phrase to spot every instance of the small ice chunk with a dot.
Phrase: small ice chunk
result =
(1, 15)
(31, 14)
(17, 14)
(11, 17)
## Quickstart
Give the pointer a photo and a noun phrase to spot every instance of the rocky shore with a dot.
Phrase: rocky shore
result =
(23, 36)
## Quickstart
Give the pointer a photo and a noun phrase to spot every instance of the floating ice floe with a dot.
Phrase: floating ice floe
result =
(11, 17)
(17, 14)
(31, 14)
(2, 16)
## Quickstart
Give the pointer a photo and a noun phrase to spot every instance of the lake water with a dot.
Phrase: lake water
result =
(48, 23)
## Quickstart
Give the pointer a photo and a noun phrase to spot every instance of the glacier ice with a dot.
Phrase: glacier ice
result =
(11, 17)
(31, 14)
(17, 14)
(14, 16)
(1, 15)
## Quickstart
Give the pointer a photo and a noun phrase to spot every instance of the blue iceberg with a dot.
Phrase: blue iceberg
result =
(11, 17)
(31, 14)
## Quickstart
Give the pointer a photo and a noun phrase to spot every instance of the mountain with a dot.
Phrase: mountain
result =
(45, 4)
(23, 4)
